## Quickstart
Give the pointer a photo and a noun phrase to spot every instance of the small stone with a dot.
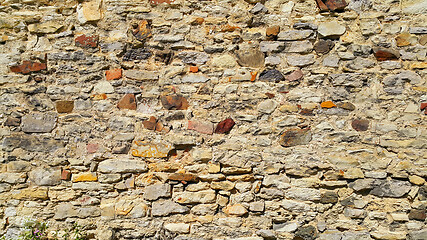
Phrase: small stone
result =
(258, 8)
(186, 177)
(85, 177)
(103, 87)
(178, 227)
(329, 197)
(28, 67)
(346, 106)
(137, 54)
(86, 41)
(195, 78)
(193, 69)
(417, 180)
(89, 11)
(271, 46)
(225, 126)
(235, 210)
(45, 27)
(201, 127)
(38, 123)
(197, 58)
(304, 46)
(143, 31)
(300, 60)
(66, 175)
(331, 29)
(128, 101)
(294, 35)
(399, 217)
(307, 232)
(405, 39)
(64, 106)
(45, 176)
(323, 46)
(92, 147)
(113, 74)
(165, 208)
(272, 32)
(250, 58)
(267, 106)
(296, 75)
(294, 137)
(328, 104)
(157, 2)
(417, 214)
(31, 194)
(15, 122)
(271, 75)
(174, 102)
(142, 75)
(382, 54)
(360, 125)
(150, 124)
(156, 191)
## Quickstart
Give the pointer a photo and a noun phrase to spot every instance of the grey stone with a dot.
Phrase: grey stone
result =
(307, 232)
(194, 78)
(299, 47)
(331, 60)
(45, 176)
(266, 234)
(273, 60)
(418, 30)
(165, 208)
(272, 75)
(391, 188)
(12, 178)
(271, 46)
(156, 191)
(354, 213)
(360, 64)
(300, 60)
(142, 75)
(286, 227)
(401, 78)
(204, 209)
(362, 184)
(31, 143)
(331, 29)
(304, 25)
(418, 235)
(305, 194)
(293, 35)
(267, 106)
(38, 122)
(206, 196)
(258, 8)
(250, 57)
(122, 166)
(168, 38)
(348, 79)
(370, 26)
(193, 57)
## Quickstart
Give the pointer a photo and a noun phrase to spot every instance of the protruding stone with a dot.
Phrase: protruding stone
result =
(156, 191)
(128, 101)
(331, 29)
(225, 126)
(294, 137)
(382, 54)
(28, 67)
(85, 177)
(272, 75)
(267, 106)
(328, 104)
(113, 74)
(174, 102)
(323, 46)
(346, 105)
(197, 58)
(38, 123)
(186, 177)
(235, 210)
(272, 32)
(64, 106)
(360, 125)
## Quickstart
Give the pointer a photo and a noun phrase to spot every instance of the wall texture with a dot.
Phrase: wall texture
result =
(215, 119)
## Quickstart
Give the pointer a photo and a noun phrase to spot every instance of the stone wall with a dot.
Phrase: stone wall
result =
(215, 119)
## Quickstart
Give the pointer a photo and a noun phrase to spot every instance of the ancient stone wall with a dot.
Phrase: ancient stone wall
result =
(215, 119)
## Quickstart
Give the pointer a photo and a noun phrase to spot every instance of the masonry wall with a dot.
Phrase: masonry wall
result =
(215, 119)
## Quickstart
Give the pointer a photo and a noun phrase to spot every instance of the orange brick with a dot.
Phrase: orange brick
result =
(113, 74)
(328, 104)
(194, 69)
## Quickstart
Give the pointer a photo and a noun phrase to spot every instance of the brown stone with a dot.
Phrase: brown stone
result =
(417, 214)
(201, 127)
(403, 39)
(194, 69)
(187, 177)
(127, 102)
(382, 54)
(64, 106)
(346, 106)
(113, 74)
(360, 125)
(423, 106)
(87, 41)
(323, 46)
(174, 102)
(225, 126)
(272, 32)
(150, 124)
(331, 5)
(296, 75)
(294, 137)
(15, 122)
(197, 21)
(65, 175)
(228, 28)
(143, 31)
(423, 40)
(250, 58)
(92, 147)
(28, 66)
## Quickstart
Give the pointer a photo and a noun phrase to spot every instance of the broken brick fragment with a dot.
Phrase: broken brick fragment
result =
(331, 5)
(328, 104)
(150, 124)
(127, 102)
(86, 41)
(272, 32)
(113, 74)
(28, 66)
(174, 102)
(296, 75)
(65, 175)
(225, 126)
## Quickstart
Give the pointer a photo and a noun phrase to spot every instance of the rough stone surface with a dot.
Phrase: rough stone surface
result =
(38, 123)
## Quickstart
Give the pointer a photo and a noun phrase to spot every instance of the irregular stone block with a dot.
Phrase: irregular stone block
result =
(64, 106)
(294, 137)
(128, 101)
(174, 102)
(206, 196)
(150, 149)
(156, 191)
(45, 176)
(86, 41)
(250, 58)
(38, 122)
(165, 208)
(225, 126)
(122, 166)
(28, 67)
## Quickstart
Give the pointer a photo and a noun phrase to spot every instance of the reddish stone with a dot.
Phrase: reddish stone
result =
(150, 124)
(194, 69)
(92, 147)
(201, 127)
(225, 126)
(322, 6)
(360, 125)
(294, 137)
(28, 66)
(174, 102)
(101, 96)
(143, 31)
(113, 74)
(187, 177)
(156, 2)
(306, 112)
(12, 122)
(65, 175)
(385, 54)
(228, 28)
(197, 21)
(272, 32)
(331, 5)
(423, 106)
(127, 102)
(296, 75)
(270, 95)
(64, 106)
(86, 41)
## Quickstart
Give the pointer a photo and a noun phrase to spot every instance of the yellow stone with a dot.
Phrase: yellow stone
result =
(288, 108)
(150, 150)
(419, 65)
(417, 180)
(85, 177)
(328, 104)
(214, 168)
(35, 193)
(235, 210)
(89, 11)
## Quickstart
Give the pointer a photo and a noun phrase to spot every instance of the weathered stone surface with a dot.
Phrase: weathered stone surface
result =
(45, 176)
(332, 5)
(201, 127)
(382, 54)
(45, 27)
(28, 67)
(392, 188)
(150, 149)
(167, 207)
(122, 166)
(38, 122)
(142, 31)
(307, 232)
(294, 35)
(89, 11)
(295, 137)
(272, 32)
(64, 106)
(157, 191)
(193, 57)
(331, 29)
(128, 101)
(174, 102)
(178, 227)
(360, 125)
(300, 60)
(235, 210)
(141, 75)
(31, 194)
(137, 54)
(250, 58)
(113, 74)
(267, 106)
(86, 41)
(323, 46)
(206, 196)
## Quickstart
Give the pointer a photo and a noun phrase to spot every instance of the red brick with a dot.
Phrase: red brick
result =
(65, 175)
(201, 127)
(113, 74)
(225, 126)
(127, 102)
(92, 147)
(194, 69)
(28, 66)
(174, 102)
(423, 106)
(86, 41)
